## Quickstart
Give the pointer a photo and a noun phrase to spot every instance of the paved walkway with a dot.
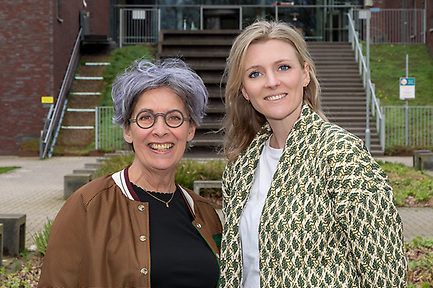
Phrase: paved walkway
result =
(36, 189)
(416, 221)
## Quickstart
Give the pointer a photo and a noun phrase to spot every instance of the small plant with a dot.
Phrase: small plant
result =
(420, 256)
(41, 238)
(115, 164)
(189, 170)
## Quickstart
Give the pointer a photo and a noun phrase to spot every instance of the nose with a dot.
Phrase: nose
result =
(160, 128)
(272, 80)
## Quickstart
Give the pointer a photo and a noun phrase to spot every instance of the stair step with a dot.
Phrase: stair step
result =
(78, 127)
(211, 125)
(98, 63)
(79, 110)
(196, 42)
(342, 89)
(203, 54)
(88, 78)
(212, 66)
(86, 93)
(217, 107)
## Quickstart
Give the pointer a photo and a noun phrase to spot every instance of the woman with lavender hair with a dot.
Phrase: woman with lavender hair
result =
(138, 227)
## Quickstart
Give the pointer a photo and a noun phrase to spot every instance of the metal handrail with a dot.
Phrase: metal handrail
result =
(54, 125)
(367, 84)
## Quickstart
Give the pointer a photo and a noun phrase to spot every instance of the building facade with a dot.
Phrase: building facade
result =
(37, 38)
(36, 41)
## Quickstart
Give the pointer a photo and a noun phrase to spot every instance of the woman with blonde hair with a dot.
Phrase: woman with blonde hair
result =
(305, 204)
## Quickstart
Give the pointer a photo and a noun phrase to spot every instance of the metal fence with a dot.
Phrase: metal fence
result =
(139, 26)
(418, 131)
(399, 26)
(108, 136)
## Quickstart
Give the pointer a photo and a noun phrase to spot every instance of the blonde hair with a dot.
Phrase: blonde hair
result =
(242, 121)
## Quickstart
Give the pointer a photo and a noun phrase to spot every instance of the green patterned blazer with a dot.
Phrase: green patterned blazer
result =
(329, 219)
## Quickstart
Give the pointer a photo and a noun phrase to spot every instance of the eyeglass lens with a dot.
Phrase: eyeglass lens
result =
(173, 119)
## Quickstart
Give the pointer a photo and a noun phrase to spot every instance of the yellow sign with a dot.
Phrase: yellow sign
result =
(47, 99)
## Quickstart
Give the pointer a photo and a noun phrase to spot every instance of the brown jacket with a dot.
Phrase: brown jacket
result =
(97, 238)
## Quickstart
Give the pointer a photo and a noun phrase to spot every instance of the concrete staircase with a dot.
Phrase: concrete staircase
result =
(206, 51)
(77, 131)
(343, 95)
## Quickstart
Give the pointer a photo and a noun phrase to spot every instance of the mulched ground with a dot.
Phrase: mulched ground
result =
(30, 270)
(21, 272)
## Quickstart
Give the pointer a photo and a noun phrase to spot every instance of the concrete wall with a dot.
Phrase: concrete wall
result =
(36, 41)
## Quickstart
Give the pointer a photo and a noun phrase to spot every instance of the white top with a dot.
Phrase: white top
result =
(250, 219)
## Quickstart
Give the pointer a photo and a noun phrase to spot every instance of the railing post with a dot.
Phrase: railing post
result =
(96, 128)
(382, 130)
(373, 110)
(367, 122)
(121, 28)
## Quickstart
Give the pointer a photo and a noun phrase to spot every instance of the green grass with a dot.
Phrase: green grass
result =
(120, 59)
(410, 187)
(388, 64)
(7, 169)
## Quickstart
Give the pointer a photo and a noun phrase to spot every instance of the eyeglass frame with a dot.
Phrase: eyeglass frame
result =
(163, 115)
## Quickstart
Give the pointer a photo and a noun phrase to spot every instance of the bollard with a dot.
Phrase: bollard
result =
(416, 154)
(14, 233)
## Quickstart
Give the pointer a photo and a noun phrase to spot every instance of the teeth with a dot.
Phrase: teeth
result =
(161, 147)
(275, 97)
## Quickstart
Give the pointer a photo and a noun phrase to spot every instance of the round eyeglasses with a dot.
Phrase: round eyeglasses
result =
(146, 119)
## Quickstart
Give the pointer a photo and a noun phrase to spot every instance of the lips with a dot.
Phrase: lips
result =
(161, 147)
(275, 97)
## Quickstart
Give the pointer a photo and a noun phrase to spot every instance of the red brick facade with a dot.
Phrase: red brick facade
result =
(36, 41)
(412, 4)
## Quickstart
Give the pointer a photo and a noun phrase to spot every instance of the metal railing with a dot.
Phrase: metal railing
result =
(49, 136)
(398, 26)
(419, 127)
(138, 26)
(108, 136)
(374, 104)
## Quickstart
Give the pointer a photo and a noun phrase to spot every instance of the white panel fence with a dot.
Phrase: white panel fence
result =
(419, 127)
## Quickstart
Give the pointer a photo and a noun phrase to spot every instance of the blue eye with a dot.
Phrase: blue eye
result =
(284, 67)
(254, 74)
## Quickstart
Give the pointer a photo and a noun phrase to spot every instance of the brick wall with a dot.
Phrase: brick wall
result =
(429, 26)
(99, 17)
(24, 70)
(36, 41)
(418, 4)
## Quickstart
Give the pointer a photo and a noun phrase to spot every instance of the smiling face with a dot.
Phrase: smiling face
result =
(159, 148)
(273, 81)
